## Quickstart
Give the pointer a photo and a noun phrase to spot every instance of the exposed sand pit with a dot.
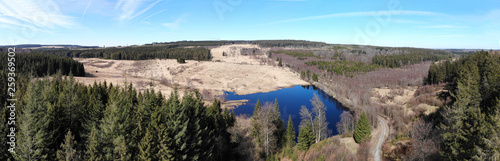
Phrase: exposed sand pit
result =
(242, 74)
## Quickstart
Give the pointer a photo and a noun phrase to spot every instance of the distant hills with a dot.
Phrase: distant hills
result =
(263, 43)
(39, 46)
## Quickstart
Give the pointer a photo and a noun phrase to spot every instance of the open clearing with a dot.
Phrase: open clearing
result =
(234, 72)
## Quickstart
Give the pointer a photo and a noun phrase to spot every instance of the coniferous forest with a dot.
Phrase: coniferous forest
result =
(136, 52)
(470, 124)
(60, 119)
(40, 64)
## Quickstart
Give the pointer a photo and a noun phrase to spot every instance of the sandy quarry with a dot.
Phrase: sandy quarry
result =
(234, 72)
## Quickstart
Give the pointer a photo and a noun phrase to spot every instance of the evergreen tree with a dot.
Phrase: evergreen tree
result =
(146, 147)
(31, 136)
(290, 133)
(68, 151)
(220, 121)
(93, 151)
(362, 131)
(464, 123)
(280, 125)
(117, 123)
(255, 131)
(306, 137)
(315, 77)
(4, 131)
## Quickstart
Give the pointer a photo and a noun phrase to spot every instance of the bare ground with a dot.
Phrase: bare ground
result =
(242, 74)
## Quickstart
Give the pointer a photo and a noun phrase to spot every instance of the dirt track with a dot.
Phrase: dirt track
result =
(378, 148)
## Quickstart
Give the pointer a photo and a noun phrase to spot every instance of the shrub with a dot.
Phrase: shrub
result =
(315, 77)
(181, 60)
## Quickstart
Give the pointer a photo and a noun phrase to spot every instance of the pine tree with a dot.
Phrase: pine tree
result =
(117, 123)
(166, 132)
(146, 147)
(306, 137)
(362, 130)
(93, 150)
(315, 77)
(464, 126)
(255, 131)
(280, 125)
(4, 131)
(67, 151)
(290, 133)
(219, 124)
(31, 136)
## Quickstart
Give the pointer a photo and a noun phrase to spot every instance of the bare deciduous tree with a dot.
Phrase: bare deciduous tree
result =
(346, 123)
(267, 115)
(422, 144)
(306, 116)
(320, 123)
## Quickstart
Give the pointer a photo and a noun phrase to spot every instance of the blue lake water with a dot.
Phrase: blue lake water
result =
(290, 100)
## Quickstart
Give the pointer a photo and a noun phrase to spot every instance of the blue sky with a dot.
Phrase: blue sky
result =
(408, 23)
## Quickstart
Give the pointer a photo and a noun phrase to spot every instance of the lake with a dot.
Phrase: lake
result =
(290, 100)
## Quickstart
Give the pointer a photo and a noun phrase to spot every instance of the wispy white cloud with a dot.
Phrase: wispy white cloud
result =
(173, 25)
(406, 21)
(360, 14)
(290, 0)
(153, 14)
(85, 11)
(448, 36)
(130, 9)
(443, 27)
(31, 13)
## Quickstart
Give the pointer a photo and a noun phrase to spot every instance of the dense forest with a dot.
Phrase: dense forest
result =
(40, 64)
(135, 53)
(59, 119)
(471, 123)
(398, 60)
(346, 68)
(262, 43)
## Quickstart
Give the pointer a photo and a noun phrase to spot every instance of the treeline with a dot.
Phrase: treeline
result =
(471, 125)
(59, 119)
(40, 64)
(346, 68)
(262, 43)
(398, 60)
(301, 55)
(289, 43)
(137, 53)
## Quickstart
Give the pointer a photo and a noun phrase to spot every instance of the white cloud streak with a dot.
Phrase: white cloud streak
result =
(443, 27)
(360, 14)
(130, 9)
(173, 25)
(154, 14)
(85, 11)
(38, 14)
(291, 0)
(404, 21)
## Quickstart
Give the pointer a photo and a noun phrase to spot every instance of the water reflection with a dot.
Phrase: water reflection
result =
(290, 100)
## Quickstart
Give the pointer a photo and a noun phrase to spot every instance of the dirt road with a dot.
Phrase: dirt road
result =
(377, 152)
